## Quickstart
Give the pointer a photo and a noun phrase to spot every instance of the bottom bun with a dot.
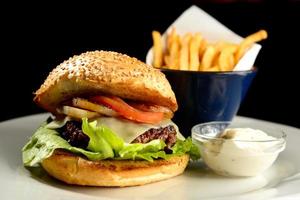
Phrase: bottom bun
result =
(73, 169)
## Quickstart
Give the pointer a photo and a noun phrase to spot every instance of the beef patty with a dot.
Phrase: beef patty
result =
(167, 134)
(73, 134)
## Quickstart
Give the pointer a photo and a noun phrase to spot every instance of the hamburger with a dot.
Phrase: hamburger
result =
(111, 123)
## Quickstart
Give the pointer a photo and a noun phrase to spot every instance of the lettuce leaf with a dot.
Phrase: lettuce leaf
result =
(103, 144)
(186, 146)
(97, 142)
(153, 149)
(43, 143)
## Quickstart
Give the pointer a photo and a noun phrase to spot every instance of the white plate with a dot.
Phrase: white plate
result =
(280, 181)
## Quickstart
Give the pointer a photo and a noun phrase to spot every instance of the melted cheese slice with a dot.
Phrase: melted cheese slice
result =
(125, 129)
(129, 130)
(55, 124)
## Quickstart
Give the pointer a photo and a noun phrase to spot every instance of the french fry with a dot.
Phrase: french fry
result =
(202, 48)
(215, 68)
(218, 48)
(215, 59)
(174, 53)
(219, 45)
(171, 38)
(231, 47)
(226, 57)
(208, 58)
(226, 60)
(194, 51)
(184, 52)
(167, 61)
(157, 49)
(248, 42)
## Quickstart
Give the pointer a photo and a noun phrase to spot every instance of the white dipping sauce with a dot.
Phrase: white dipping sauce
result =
(241, 152)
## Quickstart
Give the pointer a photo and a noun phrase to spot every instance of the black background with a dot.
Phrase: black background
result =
(36, 38)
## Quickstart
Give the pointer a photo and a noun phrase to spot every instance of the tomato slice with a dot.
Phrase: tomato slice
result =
(127, 111)
(168, 114)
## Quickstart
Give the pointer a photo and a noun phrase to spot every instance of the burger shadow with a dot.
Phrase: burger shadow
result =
(198, 169)
(196, 175)
(41, 176)
(195, 170)
(148, 191)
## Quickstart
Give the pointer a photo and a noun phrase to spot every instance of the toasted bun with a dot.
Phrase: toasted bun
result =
(105, 72)
(74, 169)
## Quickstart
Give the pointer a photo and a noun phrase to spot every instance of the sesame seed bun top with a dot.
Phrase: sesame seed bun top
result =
(105, 72)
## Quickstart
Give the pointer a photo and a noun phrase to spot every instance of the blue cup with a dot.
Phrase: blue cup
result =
(207, 96)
